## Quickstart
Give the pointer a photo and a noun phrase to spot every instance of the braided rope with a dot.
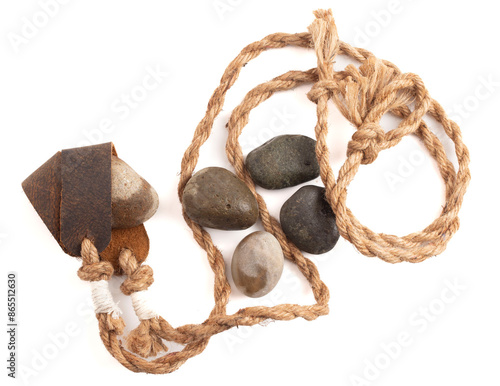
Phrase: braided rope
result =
(363, 95)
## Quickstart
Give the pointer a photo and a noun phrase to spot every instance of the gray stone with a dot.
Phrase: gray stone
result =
(257, 264)
(283, 161)
(308, 220)
(215, 198)
(133, 199)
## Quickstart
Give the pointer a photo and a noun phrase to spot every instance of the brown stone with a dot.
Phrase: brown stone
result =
(257, 264)
(215, 198)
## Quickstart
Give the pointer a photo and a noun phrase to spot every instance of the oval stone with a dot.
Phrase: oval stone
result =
(283, 161)
(257, 264)
(215, 198)
(133, 199)
(308, 220)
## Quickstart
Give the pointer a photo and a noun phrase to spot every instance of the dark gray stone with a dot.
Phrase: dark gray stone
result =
(283, 161)
(257, 264)
(308, 220)
(215, 198)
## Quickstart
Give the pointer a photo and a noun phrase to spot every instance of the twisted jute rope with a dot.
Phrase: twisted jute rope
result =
(363, 95)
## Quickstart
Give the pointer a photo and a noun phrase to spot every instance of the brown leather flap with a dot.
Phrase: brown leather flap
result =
(72, 194)
(86, 197)
(43, 188)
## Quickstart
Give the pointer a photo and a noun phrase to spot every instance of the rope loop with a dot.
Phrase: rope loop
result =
(362, 95)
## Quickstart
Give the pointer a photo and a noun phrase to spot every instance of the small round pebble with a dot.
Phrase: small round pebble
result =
(215, 198)
(133, 199)
(283, 161)
(257, 264)
(308, 220)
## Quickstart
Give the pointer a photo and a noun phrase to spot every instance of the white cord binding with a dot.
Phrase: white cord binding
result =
(141, 306)
(103, 300)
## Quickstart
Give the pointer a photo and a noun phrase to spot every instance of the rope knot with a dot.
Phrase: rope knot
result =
(368, 140)
(101, 270)
(93, 269)
(320, 89)
(139, 278)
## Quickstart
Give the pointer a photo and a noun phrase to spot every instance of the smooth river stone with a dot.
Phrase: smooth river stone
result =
(133, 199)
(215, 198)
(308, 220)
(283, 161)
(257, 264)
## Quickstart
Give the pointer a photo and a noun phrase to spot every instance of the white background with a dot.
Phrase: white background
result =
(69, 75)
